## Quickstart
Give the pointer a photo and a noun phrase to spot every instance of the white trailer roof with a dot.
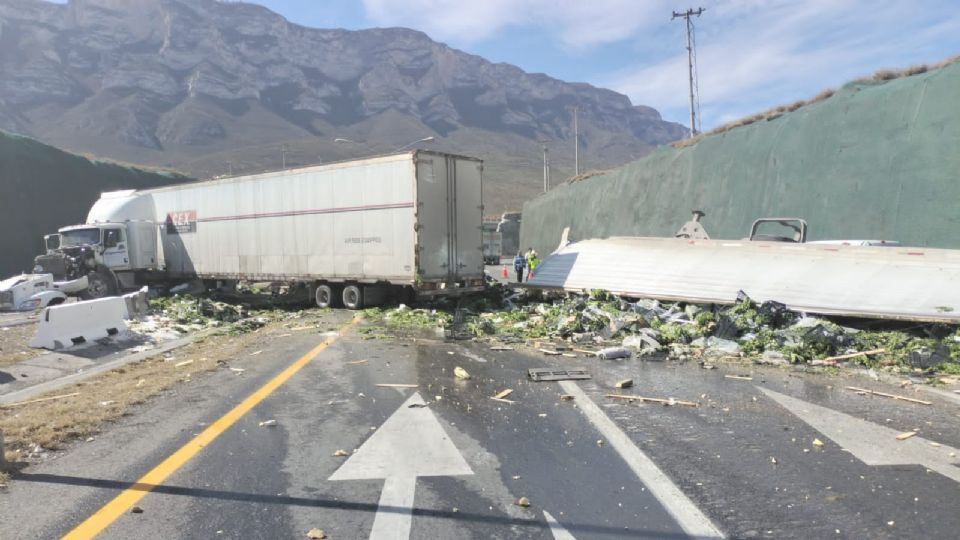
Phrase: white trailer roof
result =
(883, 282)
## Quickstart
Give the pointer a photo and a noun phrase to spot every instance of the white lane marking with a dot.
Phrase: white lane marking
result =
(684, 511)
(409, 444)
(559, 533)
(398, 492)
(943, 393)
(871, 443)
(474, 357)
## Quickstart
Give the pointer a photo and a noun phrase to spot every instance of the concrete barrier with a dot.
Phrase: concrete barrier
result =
(136, 303)
(72, 324)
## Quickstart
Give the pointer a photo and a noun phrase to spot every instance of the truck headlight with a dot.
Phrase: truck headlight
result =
(29, 304)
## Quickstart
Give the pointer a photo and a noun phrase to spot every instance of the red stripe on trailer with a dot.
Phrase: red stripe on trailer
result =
(315, 211)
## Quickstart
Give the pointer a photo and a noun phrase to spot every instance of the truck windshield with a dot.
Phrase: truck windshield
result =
(79, 237)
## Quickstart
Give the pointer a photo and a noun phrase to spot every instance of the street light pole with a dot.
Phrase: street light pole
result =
(425, 139)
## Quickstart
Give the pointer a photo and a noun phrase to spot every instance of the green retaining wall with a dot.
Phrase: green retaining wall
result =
(43, 188)
(877, 160)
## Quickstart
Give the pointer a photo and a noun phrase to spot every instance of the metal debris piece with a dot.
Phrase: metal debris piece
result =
(268, 423)
(547, 374)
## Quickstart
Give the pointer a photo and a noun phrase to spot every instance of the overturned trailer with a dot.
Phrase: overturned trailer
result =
(863, 281)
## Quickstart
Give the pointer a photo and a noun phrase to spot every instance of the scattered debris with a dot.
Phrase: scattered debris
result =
(906, 435)
(38, 400)
(503, 393)
(549, 352)
(341, 453)
(566, 397)
(237, 370)
(547, 374)
(268, 423)
(501, 348)
(739, 377)
(668, 401)
(818, 443)
(184, 363)
(255, 353)
(773, 460)
(863, 391)
(355, 362)
(625, 383)
(501, 400)
(316, 534)
(611, 353)
(522, 501)
(460, 373)
(136, 510)
(396, 385)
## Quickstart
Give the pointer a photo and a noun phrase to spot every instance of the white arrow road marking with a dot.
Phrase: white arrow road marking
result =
(871, 443)
(683, 510)
(559, 533)
(409, 444)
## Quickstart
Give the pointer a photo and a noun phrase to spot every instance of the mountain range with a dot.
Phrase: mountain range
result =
(211, 88)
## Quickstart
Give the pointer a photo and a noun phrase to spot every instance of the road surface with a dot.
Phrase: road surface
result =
(256, 455)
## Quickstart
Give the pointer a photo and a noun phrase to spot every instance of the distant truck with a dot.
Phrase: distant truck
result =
(352, 233)
(492, 242)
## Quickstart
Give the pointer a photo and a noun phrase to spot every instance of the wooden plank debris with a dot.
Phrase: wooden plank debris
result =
(905, 436)
(501, 400)
(669, 401)
(501, 348)
(396, 385)
(549, 352)
(39, 400)
(886, 395)
(626, 383)
(739, 377)
(852, 355)
(503, 393)
(355, 362)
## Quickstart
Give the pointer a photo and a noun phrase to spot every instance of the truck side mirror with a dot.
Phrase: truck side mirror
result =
(52, 241)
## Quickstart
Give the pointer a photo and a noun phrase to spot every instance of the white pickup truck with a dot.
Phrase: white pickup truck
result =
(28, 292)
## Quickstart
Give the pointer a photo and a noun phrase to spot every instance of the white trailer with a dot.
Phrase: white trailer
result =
(351, 230)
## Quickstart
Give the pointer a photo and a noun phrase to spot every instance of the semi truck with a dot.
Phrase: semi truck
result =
(351, 233)
(492, 242)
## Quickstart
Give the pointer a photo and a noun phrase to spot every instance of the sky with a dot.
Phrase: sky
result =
(751, 54)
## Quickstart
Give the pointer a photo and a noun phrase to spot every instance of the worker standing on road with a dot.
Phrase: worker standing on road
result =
(519, 265)
(532, 261)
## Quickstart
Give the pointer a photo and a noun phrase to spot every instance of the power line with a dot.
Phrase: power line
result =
(692, 63)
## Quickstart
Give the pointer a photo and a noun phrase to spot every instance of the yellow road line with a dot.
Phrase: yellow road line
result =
(104, 517)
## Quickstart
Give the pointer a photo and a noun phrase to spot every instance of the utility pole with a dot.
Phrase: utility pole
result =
(691, 63)
(283, 156)
(546, 167)
(576, 142)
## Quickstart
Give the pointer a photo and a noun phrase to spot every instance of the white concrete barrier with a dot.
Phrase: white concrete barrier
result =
(136, 303)
(82, 322)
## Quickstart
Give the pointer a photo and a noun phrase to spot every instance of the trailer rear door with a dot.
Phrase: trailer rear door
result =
(469, 217)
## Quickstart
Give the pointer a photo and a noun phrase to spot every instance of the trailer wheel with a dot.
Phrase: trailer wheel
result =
(326, 296)
(352, 297)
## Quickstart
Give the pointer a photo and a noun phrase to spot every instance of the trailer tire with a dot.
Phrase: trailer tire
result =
(326, 296)
(100, 284)
(352, 297)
